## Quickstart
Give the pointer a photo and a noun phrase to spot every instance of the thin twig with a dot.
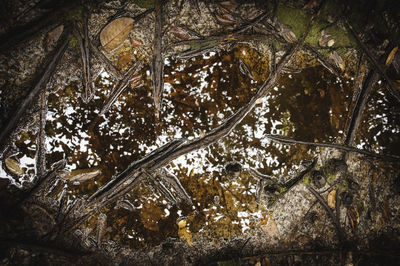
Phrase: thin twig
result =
(119, 88)
(286, 140)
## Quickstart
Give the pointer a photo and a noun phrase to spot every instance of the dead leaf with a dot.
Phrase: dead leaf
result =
(390, 57)
(180, 33)
(287, 33)
(82, 174)
(136, 43)
(14, 167)
(181, 222)
(339, 62)
(353, 216)
(53, 35)
(323, 41)
(268, 225)
(124, 60)
(115, 33)
(230, 5)
(332, 198)
(225, 19)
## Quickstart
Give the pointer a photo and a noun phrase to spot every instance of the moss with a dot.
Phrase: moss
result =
(226, 263)
(330, 178)
(201, 44)
(73, 42)
(74, 14)
(283, 190)
(145, 3)
(306, 180)
(297, 19)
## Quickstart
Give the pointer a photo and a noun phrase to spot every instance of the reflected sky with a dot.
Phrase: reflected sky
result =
(200, 93)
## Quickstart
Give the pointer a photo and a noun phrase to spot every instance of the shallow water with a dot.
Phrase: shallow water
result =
(312, 105)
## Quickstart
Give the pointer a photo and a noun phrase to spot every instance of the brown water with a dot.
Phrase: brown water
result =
(200, 93)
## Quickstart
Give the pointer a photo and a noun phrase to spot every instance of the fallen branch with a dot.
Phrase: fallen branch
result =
(322, 59)
(40, 84)
(40, 158)
(286, 140)
(109, 66)
(359, 107)
(41, 248)
(157, 66)
(85, 58)
(333, 217)
(376, 64)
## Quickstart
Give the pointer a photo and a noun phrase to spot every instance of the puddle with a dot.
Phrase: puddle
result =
(200, 93)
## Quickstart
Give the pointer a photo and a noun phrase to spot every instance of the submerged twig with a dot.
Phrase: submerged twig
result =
(174, 182)
(47, 177)
(323, 60)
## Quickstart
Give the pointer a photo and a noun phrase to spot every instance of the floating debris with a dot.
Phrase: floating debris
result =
(14, 166)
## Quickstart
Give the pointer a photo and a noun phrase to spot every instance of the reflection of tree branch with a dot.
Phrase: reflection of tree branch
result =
(334, 146)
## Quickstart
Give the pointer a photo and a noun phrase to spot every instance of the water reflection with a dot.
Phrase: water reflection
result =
(312, 105)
